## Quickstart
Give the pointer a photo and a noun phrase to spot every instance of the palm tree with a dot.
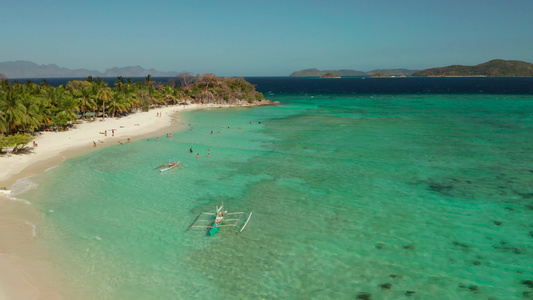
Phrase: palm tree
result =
(84, 100)
(117, 103)
(37, 112)
(68, 109)
(119, 83)
(104, 94)
(13, 109)
(3, 123)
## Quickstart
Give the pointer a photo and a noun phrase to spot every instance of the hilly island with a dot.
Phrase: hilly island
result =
(493, 68)
(349, 73)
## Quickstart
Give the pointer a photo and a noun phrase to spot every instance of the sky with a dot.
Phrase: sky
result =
(265, 38)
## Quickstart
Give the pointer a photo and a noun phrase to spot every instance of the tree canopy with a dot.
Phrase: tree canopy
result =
(27, 107)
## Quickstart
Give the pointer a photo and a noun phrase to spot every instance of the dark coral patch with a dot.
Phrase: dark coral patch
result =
(528, 283)
(409, 247)
(409, 293)
(385, 286)
(440, 187)
(463, 246)
(504, 248)
(364, 296)
(497, 223)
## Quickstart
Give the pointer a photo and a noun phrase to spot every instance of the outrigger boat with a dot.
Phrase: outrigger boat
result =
(166, 167)
(222, 218)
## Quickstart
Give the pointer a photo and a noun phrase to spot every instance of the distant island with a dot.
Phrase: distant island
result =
(351, 73)
(493, 68)
(28, 69)
(330, 75)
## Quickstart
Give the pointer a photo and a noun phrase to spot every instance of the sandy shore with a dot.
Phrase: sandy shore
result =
(25, 272)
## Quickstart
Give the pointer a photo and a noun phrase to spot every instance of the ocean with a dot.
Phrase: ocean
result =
(385, 188)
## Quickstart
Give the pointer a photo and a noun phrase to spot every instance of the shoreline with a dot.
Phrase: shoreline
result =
(25, 272)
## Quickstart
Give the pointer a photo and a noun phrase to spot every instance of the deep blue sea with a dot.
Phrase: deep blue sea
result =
(363, 85)
(385, 188)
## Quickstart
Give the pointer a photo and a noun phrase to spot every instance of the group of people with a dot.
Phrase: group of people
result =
(198, 154)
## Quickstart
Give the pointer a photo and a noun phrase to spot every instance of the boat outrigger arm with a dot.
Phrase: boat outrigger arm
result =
(222, 218)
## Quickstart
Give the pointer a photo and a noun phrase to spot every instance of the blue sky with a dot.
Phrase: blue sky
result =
(265, 38)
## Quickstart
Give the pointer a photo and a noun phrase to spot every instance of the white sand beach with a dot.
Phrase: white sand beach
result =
(51, 145)
(25, 272)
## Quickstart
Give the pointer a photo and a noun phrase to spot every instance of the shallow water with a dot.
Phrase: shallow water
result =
(397, 196)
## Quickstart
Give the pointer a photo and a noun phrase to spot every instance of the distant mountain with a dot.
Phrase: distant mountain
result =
(493, 68)
(28, 69)
(351, 73)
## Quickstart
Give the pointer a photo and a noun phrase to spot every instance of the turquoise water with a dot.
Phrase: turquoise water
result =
(411, 196)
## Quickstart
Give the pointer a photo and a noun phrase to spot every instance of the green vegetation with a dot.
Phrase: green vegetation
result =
(28, 107)
(493, 68)
(17, 141)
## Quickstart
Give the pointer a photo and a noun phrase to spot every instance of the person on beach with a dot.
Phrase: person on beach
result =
(105, 133)
(129, 140)
(113, 132)
(94, 143)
